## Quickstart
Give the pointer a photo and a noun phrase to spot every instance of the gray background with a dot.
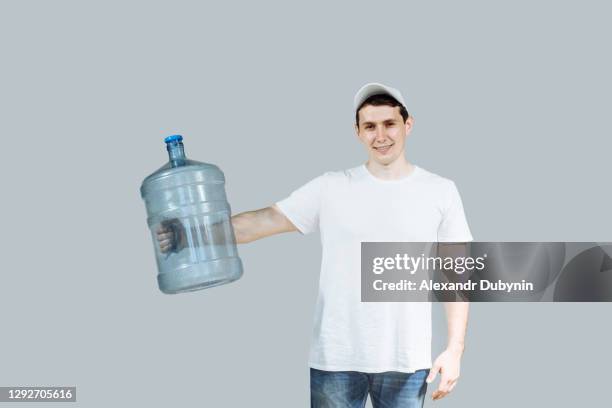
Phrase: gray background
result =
(511, 102)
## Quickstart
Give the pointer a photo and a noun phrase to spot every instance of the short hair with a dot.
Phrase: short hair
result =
(382, 100)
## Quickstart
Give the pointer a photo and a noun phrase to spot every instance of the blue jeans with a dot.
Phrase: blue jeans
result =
(349, 389)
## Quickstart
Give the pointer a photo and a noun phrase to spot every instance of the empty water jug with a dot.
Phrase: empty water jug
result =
(187, 206)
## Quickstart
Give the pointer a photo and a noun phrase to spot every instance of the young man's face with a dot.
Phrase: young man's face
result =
(383, 132)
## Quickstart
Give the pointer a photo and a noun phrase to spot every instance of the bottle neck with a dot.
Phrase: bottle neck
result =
(176, 154)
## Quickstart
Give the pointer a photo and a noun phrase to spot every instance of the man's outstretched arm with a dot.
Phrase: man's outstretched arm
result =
(448, 362)
(248, 226)
(253, 225)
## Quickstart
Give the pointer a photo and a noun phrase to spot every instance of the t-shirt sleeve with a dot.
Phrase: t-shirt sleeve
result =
(303, 206)
(454, 226)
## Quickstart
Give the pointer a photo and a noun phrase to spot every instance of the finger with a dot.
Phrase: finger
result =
(445, 383)
(162, 229)
(164, 236)
(436, 395)
(444, 387)
(432, 373)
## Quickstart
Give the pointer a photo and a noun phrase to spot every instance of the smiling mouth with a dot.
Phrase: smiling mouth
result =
(383, 149)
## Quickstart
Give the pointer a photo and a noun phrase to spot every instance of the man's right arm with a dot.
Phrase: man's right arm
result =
(253, 225)
(248, 226)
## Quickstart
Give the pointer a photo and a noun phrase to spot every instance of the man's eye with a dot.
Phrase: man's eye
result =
(369, 127)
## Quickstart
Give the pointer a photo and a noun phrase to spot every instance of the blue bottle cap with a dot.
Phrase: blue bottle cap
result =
(173, 138)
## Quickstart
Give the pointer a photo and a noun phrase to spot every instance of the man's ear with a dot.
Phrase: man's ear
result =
(409, 123)
(357, 125)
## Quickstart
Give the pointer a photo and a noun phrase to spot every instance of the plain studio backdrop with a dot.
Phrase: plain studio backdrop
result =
(511, 101)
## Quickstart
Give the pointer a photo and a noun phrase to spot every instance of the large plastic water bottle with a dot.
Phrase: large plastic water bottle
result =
(186, 200)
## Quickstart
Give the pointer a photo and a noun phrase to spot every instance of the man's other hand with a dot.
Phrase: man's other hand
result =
(448, 364)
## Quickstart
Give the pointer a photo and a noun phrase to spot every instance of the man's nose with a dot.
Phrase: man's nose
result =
(381, 134)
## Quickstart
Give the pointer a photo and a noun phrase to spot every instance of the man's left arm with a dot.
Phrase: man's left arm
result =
(449, 361)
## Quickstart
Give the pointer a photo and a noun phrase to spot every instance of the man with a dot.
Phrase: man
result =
(358, 348)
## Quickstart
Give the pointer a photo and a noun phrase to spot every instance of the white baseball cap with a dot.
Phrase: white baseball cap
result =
(374, 88)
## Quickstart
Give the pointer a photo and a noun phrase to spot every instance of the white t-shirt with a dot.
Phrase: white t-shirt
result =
(352, 206)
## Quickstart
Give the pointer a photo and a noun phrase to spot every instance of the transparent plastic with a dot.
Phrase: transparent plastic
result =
(186, 200)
